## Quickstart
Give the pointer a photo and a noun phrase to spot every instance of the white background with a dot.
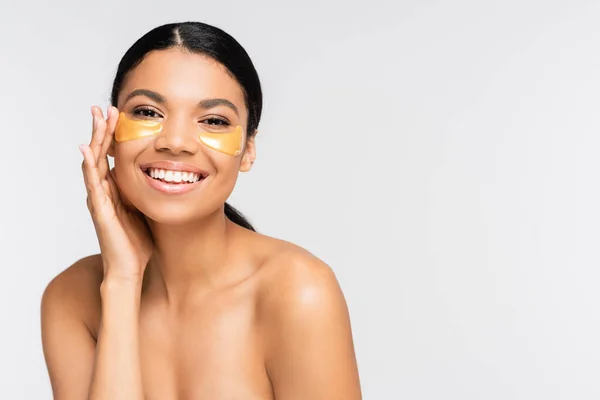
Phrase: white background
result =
(441, 156)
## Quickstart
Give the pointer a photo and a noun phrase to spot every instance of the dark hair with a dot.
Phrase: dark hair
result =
(200, 38)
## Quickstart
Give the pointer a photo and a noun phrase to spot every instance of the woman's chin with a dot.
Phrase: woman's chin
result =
(174, 214)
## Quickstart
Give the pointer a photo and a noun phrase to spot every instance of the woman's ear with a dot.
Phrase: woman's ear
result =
(249, 154)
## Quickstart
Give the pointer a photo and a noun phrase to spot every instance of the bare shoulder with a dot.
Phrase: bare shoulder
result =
(296, 288)
(292, 276)
(305, 325)
(77, 289)
(70, 315)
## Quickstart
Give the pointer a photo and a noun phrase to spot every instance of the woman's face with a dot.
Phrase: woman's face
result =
(187, 93)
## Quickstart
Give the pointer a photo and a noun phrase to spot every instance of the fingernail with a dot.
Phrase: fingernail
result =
(81, 148)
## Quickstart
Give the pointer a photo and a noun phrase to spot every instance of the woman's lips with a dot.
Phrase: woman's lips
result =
(173, 166)
(171, 187)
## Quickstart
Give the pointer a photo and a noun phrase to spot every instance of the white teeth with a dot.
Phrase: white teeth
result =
(173, 176)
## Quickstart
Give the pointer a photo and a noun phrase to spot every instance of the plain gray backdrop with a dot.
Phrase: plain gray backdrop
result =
(441, 156)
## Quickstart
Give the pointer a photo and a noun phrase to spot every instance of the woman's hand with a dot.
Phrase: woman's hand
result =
(125, 241)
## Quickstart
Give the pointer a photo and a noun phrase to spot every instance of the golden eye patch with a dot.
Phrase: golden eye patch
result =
(230, 143)
(130, 129)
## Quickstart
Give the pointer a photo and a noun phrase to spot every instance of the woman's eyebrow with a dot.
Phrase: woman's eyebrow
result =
(210, 103)
(147, 93)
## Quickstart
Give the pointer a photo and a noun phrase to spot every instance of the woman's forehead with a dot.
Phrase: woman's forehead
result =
(181, 76)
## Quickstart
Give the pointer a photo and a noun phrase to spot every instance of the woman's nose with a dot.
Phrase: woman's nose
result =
(178, 136)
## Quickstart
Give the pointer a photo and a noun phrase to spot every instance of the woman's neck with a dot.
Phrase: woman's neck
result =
(190, 257)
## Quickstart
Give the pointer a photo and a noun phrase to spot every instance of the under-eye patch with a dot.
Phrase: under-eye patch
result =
(130, 129)
(229, 143)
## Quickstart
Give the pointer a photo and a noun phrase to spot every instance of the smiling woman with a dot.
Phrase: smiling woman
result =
(185, 299)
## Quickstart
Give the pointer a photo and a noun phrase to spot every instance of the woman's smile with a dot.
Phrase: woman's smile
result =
(173, 177)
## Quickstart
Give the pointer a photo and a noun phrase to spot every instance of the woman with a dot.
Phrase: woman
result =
(186, 300)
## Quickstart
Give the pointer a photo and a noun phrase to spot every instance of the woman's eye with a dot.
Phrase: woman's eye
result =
(147, 113)
(216, 122)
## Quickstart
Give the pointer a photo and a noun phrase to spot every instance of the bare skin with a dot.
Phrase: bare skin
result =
(191, 305)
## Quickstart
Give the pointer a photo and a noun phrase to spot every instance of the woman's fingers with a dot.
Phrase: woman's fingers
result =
(98, 202)
(111, 123)
(111, 236)
(98, 132)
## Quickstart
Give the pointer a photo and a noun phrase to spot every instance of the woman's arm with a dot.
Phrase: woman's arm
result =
(117, 368)
(310, 351)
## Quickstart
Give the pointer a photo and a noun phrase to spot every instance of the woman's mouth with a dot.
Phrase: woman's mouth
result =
(172, 181)
(173, 177)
